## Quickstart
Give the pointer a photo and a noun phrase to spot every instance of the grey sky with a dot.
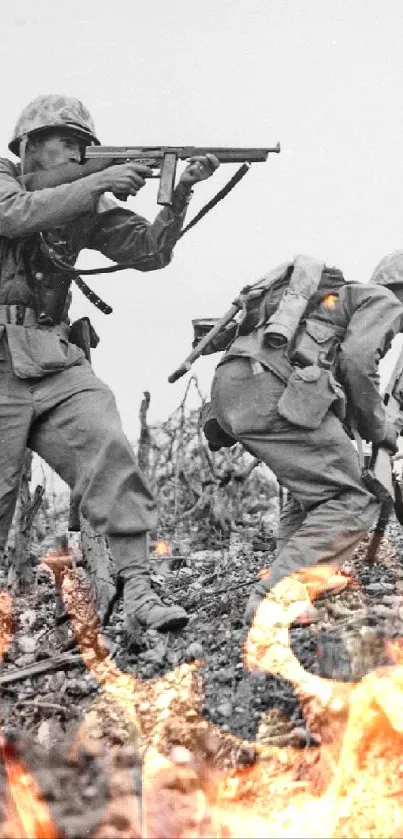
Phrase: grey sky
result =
(323, 78)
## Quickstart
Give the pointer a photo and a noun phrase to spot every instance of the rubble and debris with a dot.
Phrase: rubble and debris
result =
(181, 736)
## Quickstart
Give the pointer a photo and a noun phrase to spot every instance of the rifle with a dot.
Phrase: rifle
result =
(379, 477)
(218, 327)
(165, 159)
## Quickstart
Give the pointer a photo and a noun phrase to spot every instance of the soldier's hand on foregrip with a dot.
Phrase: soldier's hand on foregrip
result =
(199, 168)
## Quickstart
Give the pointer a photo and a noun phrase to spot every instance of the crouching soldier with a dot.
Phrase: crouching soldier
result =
(50, 398)
(300, 374)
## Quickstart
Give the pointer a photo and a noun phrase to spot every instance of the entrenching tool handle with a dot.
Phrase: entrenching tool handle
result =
(167, 180)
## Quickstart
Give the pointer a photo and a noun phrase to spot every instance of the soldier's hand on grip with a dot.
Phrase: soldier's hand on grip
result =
(125, 179)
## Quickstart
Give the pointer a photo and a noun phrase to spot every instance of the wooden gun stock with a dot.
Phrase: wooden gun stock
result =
(204, 343)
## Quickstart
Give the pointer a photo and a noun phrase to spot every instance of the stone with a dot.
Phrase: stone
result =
(49, 732)
(29, 618)
(194, 651)
(225, 709)
(26, 644)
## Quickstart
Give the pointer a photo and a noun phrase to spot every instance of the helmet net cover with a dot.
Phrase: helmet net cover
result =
(53, 111)
(389, 271)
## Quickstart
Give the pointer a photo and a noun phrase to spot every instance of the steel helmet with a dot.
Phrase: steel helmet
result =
(53, 111)
(389, 272)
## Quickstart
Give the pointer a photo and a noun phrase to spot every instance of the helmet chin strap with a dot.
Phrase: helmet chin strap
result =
(22, 151)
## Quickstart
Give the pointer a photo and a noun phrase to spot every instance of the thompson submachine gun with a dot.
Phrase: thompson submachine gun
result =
(165, 159)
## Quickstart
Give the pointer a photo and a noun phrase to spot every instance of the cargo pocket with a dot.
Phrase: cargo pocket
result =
(36, 352)
(308, 396)
(245, 403)
(316, 341)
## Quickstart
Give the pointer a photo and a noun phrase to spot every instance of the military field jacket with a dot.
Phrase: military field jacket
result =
(85, 220)
(359, 322)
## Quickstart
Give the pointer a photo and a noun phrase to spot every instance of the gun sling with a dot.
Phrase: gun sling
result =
(110, 269)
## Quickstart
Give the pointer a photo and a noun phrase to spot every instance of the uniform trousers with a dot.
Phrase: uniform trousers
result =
(70, 419)
(331, 508)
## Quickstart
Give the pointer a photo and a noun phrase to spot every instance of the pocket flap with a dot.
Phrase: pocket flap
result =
(306, 401)
(319, 331)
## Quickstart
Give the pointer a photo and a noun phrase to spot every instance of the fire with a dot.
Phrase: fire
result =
(25, 814)
(349, 785)
(361, 728)
(313, 792)
(27, 817)
(162, 548)
(330, 301)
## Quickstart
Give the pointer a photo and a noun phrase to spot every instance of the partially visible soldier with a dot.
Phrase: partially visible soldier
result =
(300, 375)
(50, 398)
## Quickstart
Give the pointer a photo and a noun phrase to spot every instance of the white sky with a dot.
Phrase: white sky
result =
(323, 78)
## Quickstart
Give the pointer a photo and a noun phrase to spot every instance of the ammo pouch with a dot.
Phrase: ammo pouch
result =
(310, 393)
(316, 341)
(216, 437)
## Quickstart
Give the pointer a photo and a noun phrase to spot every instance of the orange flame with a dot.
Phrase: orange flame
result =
(27, 817)
(352, 721)
(162, 548)
(330, 301)
(348, 786)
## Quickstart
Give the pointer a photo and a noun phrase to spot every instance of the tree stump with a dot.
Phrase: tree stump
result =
(144, 447)
(21, 573)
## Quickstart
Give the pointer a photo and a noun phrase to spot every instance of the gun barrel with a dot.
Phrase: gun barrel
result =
(231, 154)
(156, 153)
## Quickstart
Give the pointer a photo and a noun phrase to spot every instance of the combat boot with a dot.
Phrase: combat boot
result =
(143, 609)
(154, 614)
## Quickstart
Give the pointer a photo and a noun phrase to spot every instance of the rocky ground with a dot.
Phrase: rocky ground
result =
(225, 715)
